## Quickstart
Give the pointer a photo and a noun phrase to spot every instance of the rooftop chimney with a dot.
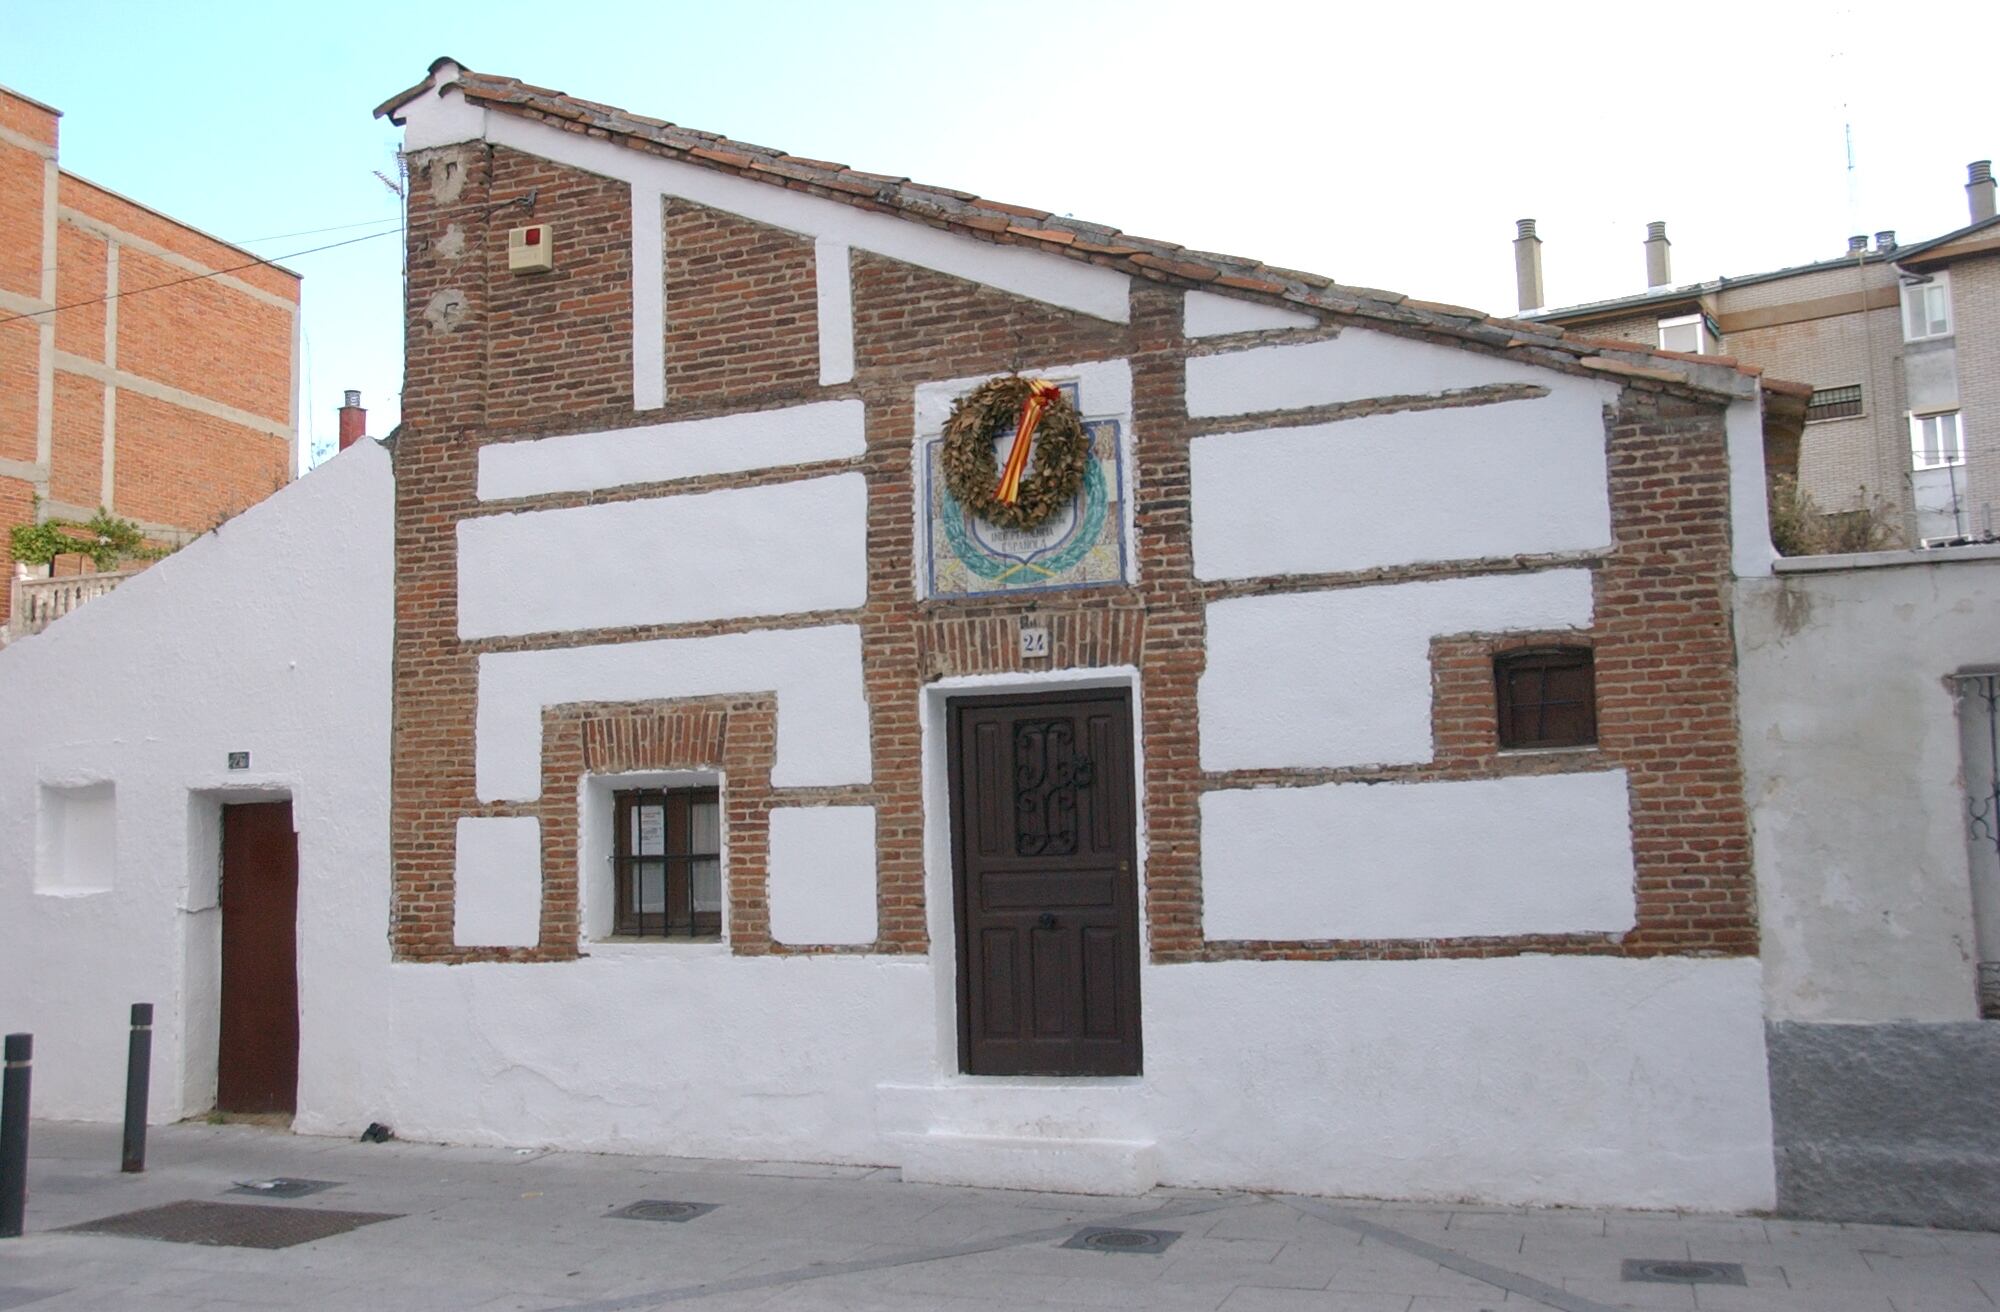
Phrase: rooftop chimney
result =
(1858, 244)
(1527, 265)
(1659, 271)
(353, 420)
(1979, 188)
(1885, 240)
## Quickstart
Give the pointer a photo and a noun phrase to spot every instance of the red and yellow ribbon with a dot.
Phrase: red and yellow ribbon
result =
(1041, 394)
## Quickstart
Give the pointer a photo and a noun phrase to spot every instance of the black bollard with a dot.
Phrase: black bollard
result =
(14, 1135)
(138, 1083)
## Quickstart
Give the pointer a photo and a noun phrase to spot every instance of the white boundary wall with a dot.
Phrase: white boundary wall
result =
(1852, 764)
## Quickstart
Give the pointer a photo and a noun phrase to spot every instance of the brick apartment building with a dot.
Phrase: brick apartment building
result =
(1901, 344)
(171, 407)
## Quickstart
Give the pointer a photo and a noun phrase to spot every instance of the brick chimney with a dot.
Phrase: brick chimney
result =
(1659, 269)
(1979, 189)
(353, 420)
(1527, 265)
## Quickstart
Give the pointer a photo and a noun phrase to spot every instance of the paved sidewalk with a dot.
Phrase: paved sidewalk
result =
(473, 1228)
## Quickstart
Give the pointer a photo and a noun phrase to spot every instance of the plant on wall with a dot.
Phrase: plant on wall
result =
(108, 540)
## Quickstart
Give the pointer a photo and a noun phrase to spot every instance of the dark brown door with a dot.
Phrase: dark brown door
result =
(258, 1065)
(1043, 863)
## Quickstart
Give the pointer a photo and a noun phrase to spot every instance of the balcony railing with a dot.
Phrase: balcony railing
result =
(38, 603)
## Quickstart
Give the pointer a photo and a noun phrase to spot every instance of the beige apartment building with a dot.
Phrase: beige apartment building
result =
(1901, 345)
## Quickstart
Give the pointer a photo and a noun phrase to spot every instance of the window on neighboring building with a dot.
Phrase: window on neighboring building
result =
(1688, 334)
(669, 863)
(1834, 403)
(1547, 698)
(1936, 441)
(1927, 308)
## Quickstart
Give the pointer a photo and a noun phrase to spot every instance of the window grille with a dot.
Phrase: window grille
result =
(1834, 403)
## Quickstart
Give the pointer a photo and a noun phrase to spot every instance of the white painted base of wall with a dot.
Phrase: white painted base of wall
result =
(1062, 1166)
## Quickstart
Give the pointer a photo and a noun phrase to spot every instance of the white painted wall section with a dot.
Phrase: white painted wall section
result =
(1464, 483)
(768, 550)
(497, 878)
(1534, 854)
(1343, 677)
(835, 301)
(271, 637)
(649, 301)
(1206, 314)
(822, 875)
(440, 116)
(1854, 771)
(1751, 551)
(1354, 366)
(659, 453)
(815, 672)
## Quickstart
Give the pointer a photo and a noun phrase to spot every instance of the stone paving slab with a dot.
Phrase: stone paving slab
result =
(489, 1229)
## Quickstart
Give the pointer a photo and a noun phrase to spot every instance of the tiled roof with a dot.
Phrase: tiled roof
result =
(1144, 257)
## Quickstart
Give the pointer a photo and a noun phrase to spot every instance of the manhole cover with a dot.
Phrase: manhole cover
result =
(232, 1225)
(661, 1209)
(283, 1186)
(1116, 1239)
(1673, 1272)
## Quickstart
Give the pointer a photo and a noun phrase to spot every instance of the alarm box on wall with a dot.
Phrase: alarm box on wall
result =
(531, 249)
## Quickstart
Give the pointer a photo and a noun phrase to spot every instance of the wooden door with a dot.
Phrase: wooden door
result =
(1043, 859)
(258, 1062)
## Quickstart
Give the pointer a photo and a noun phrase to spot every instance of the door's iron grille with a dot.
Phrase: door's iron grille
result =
(1048, 772)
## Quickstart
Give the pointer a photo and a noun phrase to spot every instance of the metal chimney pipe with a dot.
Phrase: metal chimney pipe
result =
(1857, 244)
(1527, 265)
(1659, 268)
(1979, 189)
(1885, 240)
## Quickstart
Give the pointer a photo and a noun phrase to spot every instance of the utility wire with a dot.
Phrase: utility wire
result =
(197, 277)
(314, 232)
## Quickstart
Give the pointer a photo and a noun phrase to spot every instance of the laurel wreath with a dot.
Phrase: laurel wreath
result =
(972, 471)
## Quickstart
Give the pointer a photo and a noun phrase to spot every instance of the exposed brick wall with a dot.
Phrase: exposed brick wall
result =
(20, 382)
(558, 343)
(742, 316)
(80, 264)
(203, 337)
(216, 344)
(76, 474)
(182, 467)
(736, 736)
(21, 187)
(1662, 634)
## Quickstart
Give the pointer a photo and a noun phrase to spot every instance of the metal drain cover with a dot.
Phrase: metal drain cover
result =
(1672, 1271)
(282, 1186)
(1117, 1239)
(661, 1209)
(232, 1225)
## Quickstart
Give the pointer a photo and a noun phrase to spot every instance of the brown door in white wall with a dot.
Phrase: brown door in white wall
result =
(258, 1062)
(1044, 871)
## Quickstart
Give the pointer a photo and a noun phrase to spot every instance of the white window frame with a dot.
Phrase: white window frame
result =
(1955, 455)
(597, 848)
(1702, 344)
(1915, 293)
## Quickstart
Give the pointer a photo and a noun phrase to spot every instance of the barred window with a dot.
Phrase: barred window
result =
(1546, 698)
(1834, 403)
(669, 861)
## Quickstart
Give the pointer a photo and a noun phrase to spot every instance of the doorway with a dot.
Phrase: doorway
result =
(1045, 884)
(257, 1061)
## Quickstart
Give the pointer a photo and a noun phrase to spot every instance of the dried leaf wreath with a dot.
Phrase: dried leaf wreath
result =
(972, 471)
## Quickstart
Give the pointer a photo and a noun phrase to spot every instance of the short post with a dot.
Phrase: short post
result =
(14, 1134)
(138, 1083)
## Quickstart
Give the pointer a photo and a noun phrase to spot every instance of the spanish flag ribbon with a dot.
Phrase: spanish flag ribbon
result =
(1041, 394)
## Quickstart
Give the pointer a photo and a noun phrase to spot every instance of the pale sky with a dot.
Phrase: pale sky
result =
(1382, 145)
